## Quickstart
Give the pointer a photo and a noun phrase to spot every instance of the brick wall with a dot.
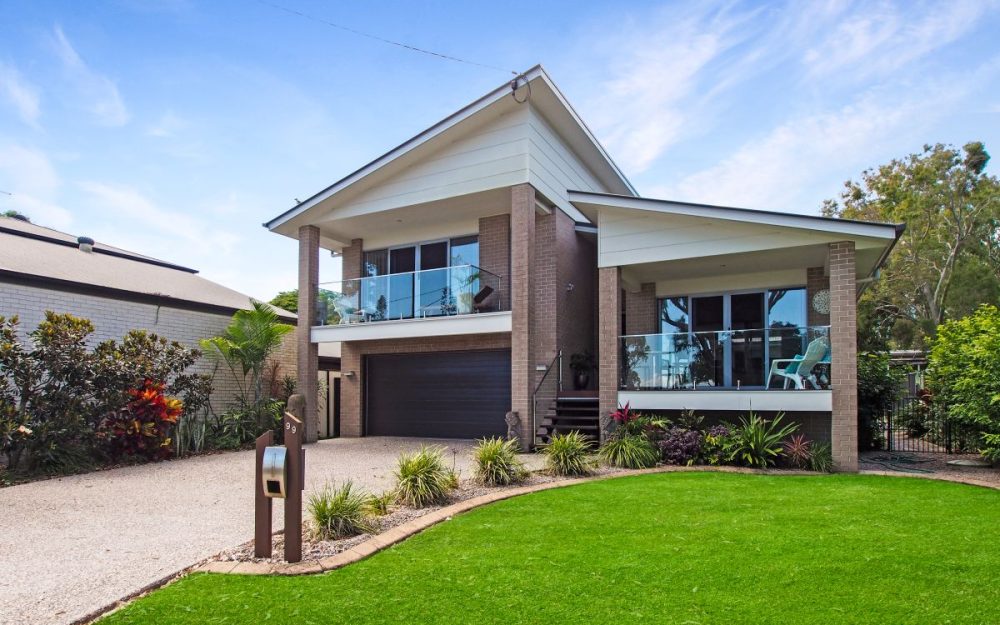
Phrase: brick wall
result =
(545, 318)
(351, 258)
(816, 280)
(641, 313)
(577, 308)
(352, 353)
(844, 348)
(494, 251)
(113, 318)
(608, 333)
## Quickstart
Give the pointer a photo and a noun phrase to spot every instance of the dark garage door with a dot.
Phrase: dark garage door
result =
(446, 395)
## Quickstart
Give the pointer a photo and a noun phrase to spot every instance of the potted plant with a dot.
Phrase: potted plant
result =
(582, 364)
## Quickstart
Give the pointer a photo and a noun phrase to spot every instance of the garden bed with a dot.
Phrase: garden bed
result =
(315, 550)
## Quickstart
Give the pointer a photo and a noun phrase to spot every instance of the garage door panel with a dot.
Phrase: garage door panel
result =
(445, 394)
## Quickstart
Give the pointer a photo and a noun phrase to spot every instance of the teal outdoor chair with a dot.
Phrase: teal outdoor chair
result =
(799, 370)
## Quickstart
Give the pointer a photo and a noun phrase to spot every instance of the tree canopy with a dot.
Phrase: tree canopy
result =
(948, 260)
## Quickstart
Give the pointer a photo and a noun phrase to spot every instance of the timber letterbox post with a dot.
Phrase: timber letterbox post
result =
(295, 484)
(262, 503)
(280, 474)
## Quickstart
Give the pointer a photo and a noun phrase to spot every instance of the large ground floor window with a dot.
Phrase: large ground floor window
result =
(731, 339)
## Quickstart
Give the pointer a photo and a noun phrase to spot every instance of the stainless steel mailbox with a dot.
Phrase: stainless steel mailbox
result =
(274, 473)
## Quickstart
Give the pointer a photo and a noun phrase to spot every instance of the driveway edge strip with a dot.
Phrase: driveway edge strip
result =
(399, 533)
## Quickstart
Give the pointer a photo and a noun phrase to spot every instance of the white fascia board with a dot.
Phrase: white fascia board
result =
(482, 323)
(744, 401)
(888, 232)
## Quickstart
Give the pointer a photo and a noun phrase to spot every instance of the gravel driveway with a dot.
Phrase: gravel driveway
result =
(73, 545)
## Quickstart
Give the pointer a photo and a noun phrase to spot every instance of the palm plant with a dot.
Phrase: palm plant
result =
(245, 346)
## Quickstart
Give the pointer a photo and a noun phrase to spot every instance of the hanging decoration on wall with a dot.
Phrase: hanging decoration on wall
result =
(821, 301)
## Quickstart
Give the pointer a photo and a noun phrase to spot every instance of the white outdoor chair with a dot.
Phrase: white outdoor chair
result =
(798, 370)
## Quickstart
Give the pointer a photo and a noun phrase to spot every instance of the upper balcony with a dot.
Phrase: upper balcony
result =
(462, 299)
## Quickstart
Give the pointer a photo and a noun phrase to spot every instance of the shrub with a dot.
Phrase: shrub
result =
(497, 463)
(422, 479)
(680, 446)
(632, 451)
(239, 427)
(340, 512)
(821, 459)
(991, 447)
(46, 389)
(142, 427)
(962, 369)
(756, 442)
(798, 451)
(879, 387)
(567, 454)
(714, 443)
(55, 393)
(378, 505)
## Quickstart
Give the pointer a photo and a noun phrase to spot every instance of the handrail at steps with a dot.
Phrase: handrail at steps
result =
(538, 387)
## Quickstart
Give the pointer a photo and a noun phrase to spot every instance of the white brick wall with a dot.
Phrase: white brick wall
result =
(113, 318)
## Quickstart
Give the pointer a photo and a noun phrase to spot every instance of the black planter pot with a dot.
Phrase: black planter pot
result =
(581, 380)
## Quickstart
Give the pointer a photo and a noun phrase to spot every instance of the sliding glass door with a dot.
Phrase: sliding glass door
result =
(729, 340)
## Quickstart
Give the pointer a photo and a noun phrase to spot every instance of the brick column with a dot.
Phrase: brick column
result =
(609, 322)
(350, 354)
(522, 252)
(844, 348)
(641, 314)
(308, 354)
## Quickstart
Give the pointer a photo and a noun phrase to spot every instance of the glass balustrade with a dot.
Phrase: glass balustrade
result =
(768, 358)
(449, 291)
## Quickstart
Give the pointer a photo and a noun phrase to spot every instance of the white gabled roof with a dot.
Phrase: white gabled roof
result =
(545, 97)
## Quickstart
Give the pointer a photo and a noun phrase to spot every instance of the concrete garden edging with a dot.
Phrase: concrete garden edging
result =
(414, 526)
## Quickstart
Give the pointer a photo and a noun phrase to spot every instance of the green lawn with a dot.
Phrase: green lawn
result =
(686, 548)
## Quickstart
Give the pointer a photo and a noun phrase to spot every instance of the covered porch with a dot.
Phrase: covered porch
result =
(724, 310)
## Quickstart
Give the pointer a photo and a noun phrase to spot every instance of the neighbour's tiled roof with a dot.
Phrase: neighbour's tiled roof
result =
(32, 252)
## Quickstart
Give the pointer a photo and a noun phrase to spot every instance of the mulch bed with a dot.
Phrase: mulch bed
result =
(927, 464)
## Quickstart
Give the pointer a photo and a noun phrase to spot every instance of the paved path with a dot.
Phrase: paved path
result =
(73, 545)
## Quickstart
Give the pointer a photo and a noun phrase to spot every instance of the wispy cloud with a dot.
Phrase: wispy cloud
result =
(34, 184)
(166, 126)
(786, 167)
(658, 69)
(878, 38)
(180, 228)
(98, 92)
(20, 94)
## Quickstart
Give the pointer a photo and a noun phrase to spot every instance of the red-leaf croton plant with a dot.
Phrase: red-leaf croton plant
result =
(143, 426)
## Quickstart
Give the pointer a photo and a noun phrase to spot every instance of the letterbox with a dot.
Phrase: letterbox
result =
(275, 471)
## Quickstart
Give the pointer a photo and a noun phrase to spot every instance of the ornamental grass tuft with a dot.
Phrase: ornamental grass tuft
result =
(340, 512)
(422, 479)
(631, 451)
(497, 463)
(567, 454)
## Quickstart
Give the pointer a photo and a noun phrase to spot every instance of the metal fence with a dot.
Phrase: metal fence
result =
(914, 424)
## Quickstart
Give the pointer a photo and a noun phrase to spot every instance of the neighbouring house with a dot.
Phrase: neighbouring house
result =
(43, 269)
(481, 254)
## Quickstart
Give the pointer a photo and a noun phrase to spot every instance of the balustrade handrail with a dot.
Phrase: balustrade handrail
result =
(409, 273)
(689, 333)
(538, 387)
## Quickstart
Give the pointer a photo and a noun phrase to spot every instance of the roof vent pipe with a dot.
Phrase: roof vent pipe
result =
(86, 244)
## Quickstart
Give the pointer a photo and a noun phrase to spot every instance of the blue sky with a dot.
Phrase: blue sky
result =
(176, 127)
